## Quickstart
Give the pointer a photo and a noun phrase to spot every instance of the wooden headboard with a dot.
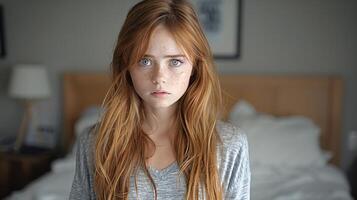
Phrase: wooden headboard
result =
(316, 97)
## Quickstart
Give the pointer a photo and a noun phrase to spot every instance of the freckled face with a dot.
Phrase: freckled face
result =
(162, 76)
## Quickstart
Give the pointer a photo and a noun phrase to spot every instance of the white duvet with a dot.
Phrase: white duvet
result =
(317, 183)
(55, 185)
(277, 174)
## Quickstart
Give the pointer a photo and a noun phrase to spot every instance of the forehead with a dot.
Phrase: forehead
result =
(163, 43)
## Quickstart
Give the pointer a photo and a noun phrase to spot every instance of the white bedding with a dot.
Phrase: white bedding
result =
(287, 178)
(55, 185)
(268, 183)
(314, 183)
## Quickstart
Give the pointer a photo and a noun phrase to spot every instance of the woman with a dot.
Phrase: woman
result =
(159, 137)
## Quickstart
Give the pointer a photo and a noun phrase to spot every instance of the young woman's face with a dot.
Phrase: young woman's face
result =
(162, 76)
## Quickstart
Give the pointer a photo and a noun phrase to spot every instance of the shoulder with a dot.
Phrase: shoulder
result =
(232, 137)
(82, 186)
(233, 150)
(88, 134)
(233, 161)
(86, 149)
(86, 140)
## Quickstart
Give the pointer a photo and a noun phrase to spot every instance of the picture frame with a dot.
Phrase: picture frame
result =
(2, 33)
(220, 20)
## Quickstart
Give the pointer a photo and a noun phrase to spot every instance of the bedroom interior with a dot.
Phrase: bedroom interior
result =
(296, 71)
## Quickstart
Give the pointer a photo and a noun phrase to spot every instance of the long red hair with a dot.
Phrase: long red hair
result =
(121, 142)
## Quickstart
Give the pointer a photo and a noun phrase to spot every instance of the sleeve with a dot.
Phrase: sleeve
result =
(239, 183)
(81, 186)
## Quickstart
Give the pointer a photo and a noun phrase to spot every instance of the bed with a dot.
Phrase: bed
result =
(299, 113)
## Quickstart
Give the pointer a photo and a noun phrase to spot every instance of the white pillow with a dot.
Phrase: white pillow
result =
(88, 118)
(279, 141)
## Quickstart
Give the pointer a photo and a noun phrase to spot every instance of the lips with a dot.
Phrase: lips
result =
(160, 92)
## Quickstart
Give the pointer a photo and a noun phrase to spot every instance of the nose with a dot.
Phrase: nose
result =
(158, 75)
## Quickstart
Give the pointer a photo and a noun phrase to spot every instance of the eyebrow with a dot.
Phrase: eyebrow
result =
(167, 56)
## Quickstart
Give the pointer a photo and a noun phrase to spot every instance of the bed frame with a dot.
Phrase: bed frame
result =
(316, 97)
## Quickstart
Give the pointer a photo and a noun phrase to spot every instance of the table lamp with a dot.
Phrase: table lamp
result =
(28, 83)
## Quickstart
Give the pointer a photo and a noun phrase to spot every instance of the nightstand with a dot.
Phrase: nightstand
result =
(19, 169)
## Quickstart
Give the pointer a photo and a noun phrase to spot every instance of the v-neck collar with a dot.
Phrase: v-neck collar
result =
(161, 172)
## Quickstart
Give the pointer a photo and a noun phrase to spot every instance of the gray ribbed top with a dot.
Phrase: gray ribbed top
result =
(233, 166)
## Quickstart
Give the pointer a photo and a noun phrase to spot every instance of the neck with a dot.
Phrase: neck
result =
(159, 120)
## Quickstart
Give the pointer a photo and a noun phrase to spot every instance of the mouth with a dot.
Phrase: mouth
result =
(160, 93)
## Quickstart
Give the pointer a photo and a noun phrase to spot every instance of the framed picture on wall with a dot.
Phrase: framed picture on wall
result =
(2, 33)
(220, 20)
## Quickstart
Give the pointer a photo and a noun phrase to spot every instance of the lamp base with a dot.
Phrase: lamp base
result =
(24, 126)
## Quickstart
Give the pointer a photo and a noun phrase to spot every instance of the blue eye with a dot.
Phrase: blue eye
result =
(176, 62)
(145, 62)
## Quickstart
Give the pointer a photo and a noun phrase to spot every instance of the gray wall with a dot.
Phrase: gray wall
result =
(278, 37)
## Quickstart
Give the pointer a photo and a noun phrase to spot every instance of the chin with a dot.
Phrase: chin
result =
(162, 105)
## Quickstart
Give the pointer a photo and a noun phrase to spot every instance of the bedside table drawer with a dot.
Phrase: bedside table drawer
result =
(17, 170)
(4, 177)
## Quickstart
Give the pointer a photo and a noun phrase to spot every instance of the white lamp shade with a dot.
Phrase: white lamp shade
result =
(29, 82)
